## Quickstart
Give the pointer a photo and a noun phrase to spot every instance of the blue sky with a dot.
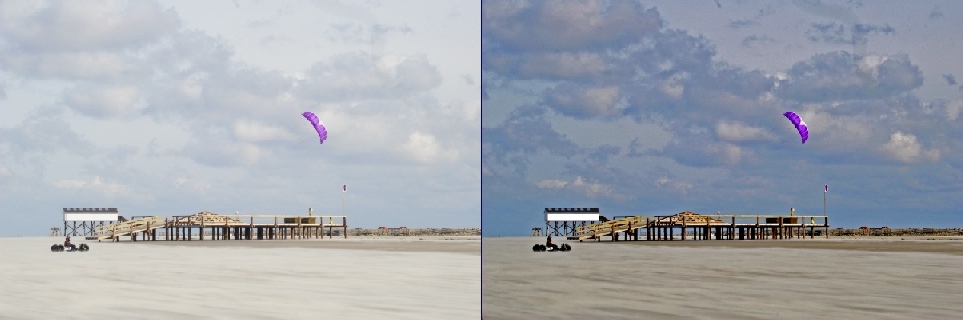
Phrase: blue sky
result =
(175, 107)
(658, 107)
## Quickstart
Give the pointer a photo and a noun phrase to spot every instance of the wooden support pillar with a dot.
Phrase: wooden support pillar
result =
(732, 234)
(757, 232)
(780, 229)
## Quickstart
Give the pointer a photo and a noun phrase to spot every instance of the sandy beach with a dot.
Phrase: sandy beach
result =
(400, 278)
(851, 278)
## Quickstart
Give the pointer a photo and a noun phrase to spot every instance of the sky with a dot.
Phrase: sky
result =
(660, 107)
(177, 107)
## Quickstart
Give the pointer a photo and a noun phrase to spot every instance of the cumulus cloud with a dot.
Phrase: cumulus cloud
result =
(584, 102)
(586, 187)
(423, 148)
(363, 76)
(680, 187)
(840, 76)
(103, 101)
(254, 131)
(103, 186)
(551, 184)
(77, 26)
(565, 26)
(219, 153)
(190, 184)
(735, 131)
(954, 109)
(905, 148)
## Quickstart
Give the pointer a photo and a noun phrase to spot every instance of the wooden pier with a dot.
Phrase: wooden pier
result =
(210, 226)
(706, 227)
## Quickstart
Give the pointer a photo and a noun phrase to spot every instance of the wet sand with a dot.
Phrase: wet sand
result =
(849, 278)
(241, 279)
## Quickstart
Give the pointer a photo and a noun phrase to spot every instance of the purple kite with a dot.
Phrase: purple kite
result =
(800, 125)
(322, 132)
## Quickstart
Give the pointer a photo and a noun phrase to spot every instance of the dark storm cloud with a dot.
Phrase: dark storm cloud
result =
(838, 76)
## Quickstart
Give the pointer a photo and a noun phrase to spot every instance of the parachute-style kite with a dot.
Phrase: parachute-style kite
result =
(800, 125)
(322, 132)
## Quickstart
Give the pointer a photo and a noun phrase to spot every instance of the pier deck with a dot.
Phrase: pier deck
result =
(224, 227)
(705, 227)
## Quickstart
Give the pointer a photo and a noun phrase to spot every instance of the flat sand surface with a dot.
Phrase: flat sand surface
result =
(837, 278)
(453, 244)
(242, 279)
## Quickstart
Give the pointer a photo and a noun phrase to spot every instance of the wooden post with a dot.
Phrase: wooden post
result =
(756, 233)
(780, 229)
(648, 229)
(732, 230)
(344, 222)
(683, 231)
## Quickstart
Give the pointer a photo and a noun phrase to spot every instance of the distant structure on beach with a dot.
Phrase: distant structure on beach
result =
(566, 221)
(83, 221)
(586, 223)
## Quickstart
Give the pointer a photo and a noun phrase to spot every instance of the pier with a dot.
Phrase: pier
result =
(693, 226)
(211, 226)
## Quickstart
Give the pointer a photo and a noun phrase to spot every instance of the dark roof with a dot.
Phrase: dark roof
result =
(91, 210)
(567, 210)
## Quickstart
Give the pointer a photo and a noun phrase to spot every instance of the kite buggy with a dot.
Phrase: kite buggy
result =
(69, 247)
(550, 247)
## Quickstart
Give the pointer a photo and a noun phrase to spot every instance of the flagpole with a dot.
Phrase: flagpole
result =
(825, 190)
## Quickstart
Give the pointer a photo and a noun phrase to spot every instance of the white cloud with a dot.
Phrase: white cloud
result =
(70, 184)
(737, 131)
(106, 187)
(905, 148)
(591, 188)
(72, 65)
(954, 109)
(253, 131)
(580, 185)
(72, 26)
(423, 148)
(551, 184)
(671, 184)
(106, 101)
(183, 182)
